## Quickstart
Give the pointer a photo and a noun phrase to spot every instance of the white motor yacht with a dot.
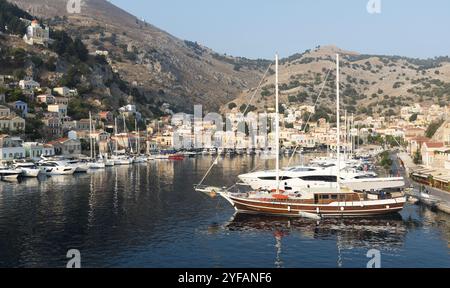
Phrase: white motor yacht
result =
(140, 159)
(96, 164)
(51, 168)
(80, 166)
(7, 173)
(301, 177)
(29, 169)
(122, 160)
(108, 162)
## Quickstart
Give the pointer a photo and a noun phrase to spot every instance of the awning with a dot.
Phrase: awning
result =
(442, 179)
(420, 175)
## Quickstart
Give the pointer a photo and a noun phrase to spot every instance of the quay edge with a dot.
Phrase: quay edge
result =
(443, 204)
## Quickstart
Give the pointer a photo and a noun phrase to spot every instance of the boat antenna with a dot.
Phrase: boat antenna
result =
(338, 124)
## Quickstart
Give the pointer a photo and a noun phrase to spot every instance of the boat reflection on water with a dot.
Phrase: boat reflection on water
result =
(386, 233)
(358, 232)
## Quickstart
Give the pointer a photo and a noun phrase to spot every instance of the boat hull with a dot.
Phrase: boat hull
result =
(57, 171)
(337, 209)
(81, 169)
(124, 161)
(97, 165)
(176, 157)
(109, 163)
(30, 172)
(9, 176)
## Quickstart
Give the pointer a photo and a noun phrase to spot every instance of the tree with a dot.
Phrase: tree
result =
(33, 128)
(289, 125)
(386, 160)
(64, 45)
(80, 50)
(78, 109)
(51, 64)
(232, 105)
(432, 128)
(413, 117)
(10, 16)
(292, 99)
(417, 158)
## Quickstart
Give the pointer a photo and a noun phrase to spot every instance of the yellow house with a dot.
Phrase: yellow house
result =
(12, 123)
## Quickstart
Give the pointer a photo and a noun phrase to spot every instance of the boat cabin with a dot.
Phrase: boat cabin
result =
(327, 198)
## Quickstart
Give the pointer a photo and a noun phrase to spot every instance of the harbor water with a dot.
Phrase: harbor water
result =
(148, 215)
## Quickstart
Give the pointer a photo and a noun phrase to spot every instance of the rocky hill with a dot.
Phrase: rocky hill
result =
(158, 66)
(149, 66)
(370, 84)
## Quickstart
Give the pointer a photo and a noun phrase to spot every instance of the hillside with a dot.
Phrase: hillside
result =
(158, 67)
(149, 66)
(370, 84)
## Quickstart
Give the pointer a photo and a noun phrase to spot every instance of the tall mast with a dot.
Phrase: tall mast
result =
(125, 131)
(94, 141)
(338, 120)
(137, 130)
(357, 136)
(115, 133)
(346, 135)
(90, 134)
(351, 134)
(277, 123)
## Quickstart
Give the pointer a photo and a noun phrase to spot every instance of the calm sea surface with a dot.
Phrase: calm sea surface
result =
(148, 215)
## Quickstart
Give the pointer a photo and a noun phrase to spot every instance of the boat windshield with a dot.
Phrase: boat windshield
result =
(301, 169)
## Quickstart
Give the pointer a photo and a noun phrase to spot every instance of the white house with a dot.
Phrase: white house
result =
(102, 53)
(36, 34)
(130, 110)
(61, 109)
(35, 150)
(28, 84)
(66, 92)
(11, 148)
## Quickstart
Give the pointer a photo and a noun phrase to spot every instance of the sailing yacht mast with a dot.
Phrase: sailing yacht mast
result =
(351, 134)
(139, 142)
(345, 135)
(90, 133)
(338, 122)
(137, 131)
(277, 123)
(115, 133)
(126, 133)
(94, 141)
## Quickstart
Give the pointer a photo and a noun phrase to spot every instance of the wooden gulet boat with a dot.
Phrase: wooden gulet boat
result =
(323, 204)
(340, 202)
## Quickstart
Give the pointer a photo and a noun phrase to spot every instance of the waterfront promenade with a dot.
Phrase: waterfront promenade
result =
(408, 167)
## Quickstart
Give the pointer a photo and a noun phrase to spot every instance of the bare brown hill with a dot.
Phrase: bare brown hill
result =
(164, 67)
(371, 84)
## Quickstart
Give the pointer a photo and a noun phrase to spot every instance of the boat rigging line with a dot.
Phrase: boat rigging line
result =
(216, 161)
(310, 114)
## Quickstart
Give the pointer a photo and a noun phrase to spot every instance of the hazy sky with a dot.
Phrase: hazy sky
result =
(259, 28)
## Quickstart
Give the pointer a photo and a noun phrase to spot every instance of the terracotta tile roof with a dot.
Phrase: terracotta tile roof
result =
(420, 139)
(60, 140)
(434, 144)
